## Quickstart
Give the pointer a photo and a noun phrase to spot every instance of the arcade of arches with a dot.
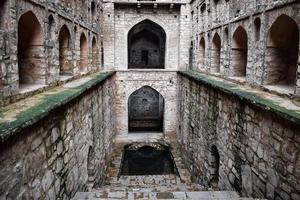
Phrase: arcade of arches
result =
(175, 99)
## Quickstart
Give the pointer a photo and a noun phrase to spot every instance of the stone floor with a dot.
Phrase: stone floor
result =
(152, 186)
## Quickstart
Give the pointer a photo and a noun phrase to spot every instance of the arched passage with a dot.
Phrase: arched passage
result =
(216, 53)
(145, 110)
(94, 53)
(30, 50)
(214, 164)
(202, 54)
(282, 52)
(146, 46)
(239, 51)
(83, 53)
(65, 51)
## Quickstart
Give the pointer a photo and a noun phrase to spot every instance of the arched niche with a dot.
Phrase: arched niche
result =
(145, 110)
(282, 52)
(216, 53)
(239, 52)
(65, 51)
(30, 50)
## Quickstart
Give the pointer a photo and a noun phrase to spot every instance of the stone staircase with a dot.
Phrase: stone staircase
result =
(152, 187)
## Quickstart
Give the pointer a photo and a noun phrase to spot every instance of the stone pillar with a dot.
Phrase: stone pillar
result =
(185, 36)
(109, 35)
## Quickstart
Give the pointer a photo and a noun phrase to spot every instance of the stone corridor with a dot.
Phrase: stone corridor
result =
(149, 99)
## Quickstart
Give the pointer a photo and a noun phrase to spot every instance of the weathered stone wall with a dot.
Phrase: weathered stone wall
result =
(222, 18)
(128, 82)
(120, 18)
(63, 153)
(84, 17)
(258, 150)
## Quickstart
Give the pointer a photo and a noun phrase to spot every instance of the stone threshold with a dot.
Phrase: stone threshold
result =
(24, 113)
(284, 107)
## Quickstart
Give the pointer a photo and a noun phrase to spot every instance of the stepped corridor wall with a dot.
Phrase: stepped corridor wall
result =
(63, 152)
(258, 150)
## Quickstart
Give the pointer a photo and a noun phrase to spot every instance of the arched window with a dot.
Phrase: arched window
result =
(239, 52)
(30, 50)
(146, 46)
(282, 52)
(83, 53)
(65, 51)
(216, 53)
(145, 110)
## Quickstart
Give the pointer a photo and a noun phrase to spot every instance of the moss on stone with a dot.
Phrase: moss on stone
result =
(248, 96)
(48, 103)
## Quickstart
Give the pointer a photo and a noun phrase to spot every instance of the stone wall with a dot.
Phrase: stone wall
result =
(48, 18)
(65, 152)
(263, 59)
(257, 150)
(120, 18)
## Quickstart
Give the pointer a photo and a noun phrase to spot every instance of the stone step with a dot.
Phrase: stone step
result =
(203, 195)
(151, 188)
(144, 180)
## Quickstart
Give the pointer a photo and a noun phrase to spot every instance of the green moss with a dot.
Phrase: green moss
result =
(231, 88)
(48, 103)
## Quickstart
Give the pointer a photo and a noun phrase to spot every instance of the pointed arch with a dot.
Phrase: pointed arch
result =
(239, 52)
(145, 110)
(94, 53)
(83, 53)
(30, 50)
(216, 53)
(282, 52)
(65, 51)
(202, 53)
(146, 46)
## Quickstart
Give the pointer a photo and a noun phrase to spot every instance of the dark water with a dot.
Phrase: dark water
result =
(147, 161)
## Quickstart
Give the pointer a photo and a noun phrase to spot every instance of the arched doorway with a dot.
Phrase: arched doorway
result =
(145, 110)
(146, 46)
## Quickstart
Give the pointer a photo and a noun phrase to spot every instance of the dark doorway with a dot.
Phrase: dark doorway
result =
(145, 110)
(145, 57)
(146, 46)
(215, 164)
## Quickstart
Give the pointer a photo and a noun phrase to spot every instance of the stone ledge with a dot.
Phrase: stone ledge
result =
(17, 116)
(284, 107)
